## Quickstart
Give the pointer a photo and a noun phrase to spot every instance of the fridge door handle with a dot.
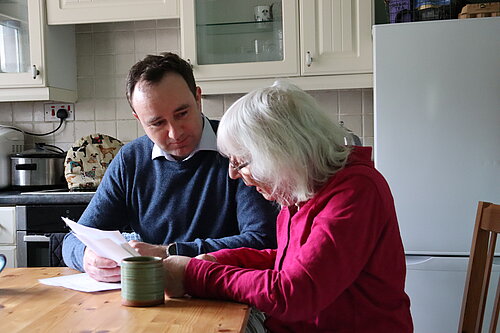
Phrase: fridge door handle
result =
(417, 260)
(496, 261)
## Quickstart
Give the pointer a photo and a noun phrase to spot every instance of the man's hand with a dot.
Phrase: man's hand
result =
(99, 268)
(174, 267)
(146, 249)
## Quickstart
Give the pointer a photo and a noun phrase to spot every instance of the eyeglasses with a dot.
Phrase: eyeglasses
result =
(238, 167)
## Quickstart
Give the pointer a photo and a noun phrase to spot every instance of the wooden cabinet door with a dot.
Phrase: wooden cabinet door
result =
(335, 37)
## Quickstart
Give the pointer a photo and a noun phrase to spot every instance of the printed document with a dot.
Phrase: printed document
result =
(80, 282)
(107, 244)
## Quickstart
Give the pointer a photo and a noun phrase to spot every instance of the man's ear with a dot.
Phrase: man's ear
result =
(135, 115)
(198, 97)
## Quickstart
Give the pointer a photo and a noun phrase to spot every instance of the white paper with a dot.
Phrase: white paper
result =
(107, 244)
(80, 282)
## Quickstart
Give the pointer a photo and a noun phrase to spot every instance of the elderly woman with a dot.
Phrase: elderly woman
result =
(339, 265)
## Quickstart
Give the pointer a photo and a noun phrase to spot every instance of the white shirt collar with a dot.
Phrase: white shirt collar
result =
(208, 141)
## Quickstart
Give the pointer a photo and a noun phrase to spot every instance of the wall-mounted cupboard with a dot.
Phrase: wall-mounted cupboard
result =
(37, 61)
(95, 11)
(318, 44)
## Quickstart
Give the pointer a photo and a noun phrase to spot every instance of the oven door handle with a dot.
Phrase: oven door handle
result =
(36, 238)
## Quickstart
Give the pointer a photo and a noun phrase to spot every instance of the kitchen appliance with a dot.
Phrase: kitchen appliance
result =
(36, 225)
(351, 139)
(437, 142)
(11, 142)
(39, 167)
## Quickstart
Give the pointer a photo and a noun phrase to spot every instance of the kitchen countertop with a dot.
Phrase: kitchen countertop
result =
(18, 197)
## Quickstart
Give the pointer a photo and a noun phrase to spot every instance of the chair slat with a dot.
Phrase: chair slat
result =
(479, 270)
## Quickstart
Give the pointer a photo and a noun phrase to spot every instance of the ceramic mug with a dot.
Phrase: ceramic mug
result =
(142, 281)
(3, 262)
(262, 13)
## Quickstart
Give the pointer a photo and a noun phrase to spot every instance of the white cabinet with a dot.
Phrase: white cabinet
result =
(86, 11)
(37, 62)
(222, 40)
(325, 44)
(8, 234)
(335, 37)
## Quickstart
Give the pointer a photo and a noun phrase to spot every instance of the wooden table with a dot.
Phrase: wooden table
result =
(29, 306)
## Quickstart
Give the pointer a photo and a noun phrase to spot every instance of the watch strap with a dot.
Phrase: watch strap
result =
(171, 249)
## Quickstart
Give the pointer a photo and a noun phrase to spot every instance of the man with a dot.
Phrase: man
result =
(171, 186)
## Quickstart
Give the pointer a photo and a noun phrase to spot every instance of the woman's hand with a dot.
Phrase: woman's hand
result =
(146, 249)
(207, 257)
(174, 267)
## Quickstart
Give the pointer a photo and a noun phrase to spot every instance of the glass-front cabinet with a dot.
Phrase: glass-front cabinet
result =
(244, 39)
(15, 55)
(36, 62)
(317, 44)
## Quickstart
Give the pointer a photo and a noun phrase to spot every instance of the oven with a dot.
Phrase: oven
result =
(38, 228)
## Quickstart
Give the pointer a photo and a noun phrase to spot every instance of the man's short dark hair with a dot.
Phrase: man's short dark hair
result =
(153, 68)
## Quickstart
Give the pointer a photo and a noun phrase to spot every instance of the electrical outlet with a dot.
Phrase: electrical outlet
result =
(50, 111)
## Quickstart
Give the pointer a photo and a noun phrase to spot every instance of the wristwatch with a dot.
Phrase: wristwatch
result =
(171, 249)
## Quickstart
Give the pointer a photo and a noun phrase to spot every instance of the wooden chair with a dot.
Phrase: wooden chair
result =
(478, 273)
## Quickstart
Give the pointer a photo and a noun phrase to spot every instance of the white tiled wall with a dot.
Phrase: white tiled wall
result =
(106, 51)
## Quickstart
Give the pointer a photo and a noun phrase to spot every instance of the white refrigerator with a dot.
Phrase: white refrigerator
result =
(437, 142)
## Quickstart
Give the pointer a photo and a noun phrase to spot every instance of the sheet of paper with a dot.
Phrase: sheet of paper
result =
(80, 282)
(107, 244)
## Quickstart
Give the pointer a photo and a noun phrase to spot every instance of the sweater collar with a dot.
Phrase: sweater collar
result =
(208, 141)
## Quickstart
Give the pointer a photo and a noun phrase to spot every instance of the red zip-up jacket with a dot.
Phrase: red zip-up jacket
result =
(339, 265)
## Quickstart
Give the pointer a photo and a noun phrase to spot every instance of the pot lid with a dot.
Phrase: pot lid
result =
(42, 150)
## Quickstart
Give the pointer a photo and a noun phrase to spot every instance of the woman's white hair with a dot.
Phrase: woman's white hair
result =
(292, 144)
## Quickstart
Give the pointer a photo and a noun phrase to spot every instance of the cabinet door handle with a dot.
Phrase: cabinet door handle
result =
(34, 71)
(309, 59)
(189, 62)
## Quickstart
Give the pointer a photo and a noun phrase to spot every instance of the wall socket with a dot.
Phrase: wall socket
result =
(50, 111)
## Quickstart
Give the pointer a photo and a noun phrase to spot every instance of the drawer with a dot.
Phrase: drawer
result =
(7, 226)
(10, 254)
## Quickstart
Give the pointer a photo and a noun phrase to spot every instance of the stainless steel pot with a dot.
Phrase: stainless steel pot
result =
(39, 167)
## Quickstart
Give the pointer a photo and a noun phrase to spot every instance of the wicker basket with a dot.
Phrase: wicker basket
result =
(480, 10)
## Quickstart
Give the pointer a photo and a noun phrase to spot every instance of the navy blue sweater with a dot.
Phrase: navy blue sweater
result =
(192, 202)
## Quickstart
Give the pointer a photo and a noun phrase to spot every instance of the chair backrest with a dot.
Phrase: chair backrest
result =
(479, 270)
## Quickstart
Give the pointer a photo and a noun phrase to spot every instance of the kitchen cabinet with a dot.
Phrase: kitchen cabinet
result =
(222, 39)
(8, 234)
(37, 62)
(85, 11)
(335, 37)
(321, 44)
